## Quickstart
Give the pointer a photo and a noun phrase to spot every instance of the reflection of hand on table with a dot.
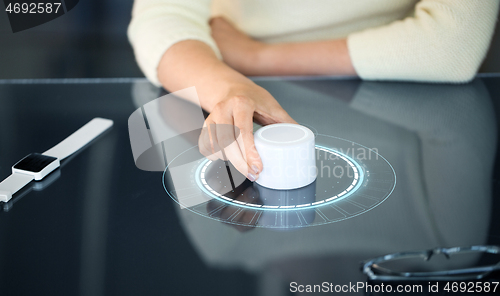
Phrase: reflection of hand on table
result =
(246, 217)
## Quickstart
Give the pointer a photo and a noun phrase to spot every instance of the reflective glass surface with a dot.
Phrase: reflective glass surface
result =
(101, 226)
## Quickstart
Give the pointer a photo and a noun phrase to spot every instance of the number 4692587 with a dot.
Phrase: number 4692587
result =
(33, 7)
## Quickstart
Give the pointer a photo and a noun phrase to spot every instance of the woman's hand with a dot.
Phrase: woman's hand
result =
(228, 132)
(232, 99)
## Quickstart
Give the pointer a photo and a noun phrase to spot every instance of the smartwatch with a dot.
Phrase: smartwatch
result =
(37, 166)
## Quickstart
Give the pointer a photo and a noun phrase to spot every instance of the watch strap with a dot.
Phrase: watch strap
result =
(13, 184)
(80, 138)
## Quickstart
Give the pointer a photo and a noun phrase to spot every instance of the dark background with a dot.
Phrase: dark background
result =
(90, 41)
(87, 42)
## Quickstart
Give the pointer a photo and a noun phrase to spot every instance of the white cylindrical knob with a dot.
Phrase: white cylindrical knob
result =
(288, 156)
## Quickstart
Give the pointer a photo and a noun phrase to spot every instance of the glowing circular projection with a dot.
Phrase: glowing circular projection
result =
(357, 180)
(352, 179)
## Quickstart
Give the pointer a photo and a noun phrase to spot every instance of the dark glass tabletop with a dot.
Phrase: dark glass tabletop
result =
(100, 225)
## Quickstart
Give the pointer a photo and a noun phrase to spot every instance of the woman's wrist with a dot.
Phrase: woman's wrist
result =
(220, 81)
(328, 57)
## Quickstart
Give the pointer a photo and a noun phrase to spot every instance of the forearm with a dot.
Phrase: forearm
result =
(231, 99)
(193, 63)
(330, 57)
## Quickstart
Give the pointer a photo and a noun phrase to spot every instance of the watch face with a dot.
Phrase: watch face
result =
(35, 162)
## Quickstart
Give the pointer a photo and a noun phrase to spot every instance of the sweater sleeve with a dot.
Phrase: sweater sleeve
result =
(158, 24)
(443, 41)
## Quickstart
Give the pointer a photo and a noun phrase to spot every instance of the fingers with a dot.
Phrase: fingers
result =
(230, 149)
(205, 145)
(274, 113)
(229, 131)
(285, 118)
(228, 135)
(243, 119)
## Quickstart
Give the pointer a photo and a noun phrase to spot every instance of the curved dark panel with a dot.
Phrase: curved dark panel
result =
(70, 4)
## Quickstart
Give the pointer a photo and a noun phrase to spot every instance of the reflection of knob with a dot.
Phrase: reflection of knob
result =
(287, 219)
(288, 156)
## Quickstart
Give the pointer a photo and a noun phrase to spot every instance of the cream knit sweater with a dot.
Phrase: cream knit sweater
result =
(427, 40)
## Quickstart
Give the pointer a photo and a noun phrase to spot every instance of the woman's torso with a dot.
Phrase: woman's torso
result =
(300, 20)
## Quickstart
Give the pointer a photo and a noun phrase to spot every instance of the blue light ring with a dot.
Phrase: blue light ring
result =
(294, 226)
(285, 208)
